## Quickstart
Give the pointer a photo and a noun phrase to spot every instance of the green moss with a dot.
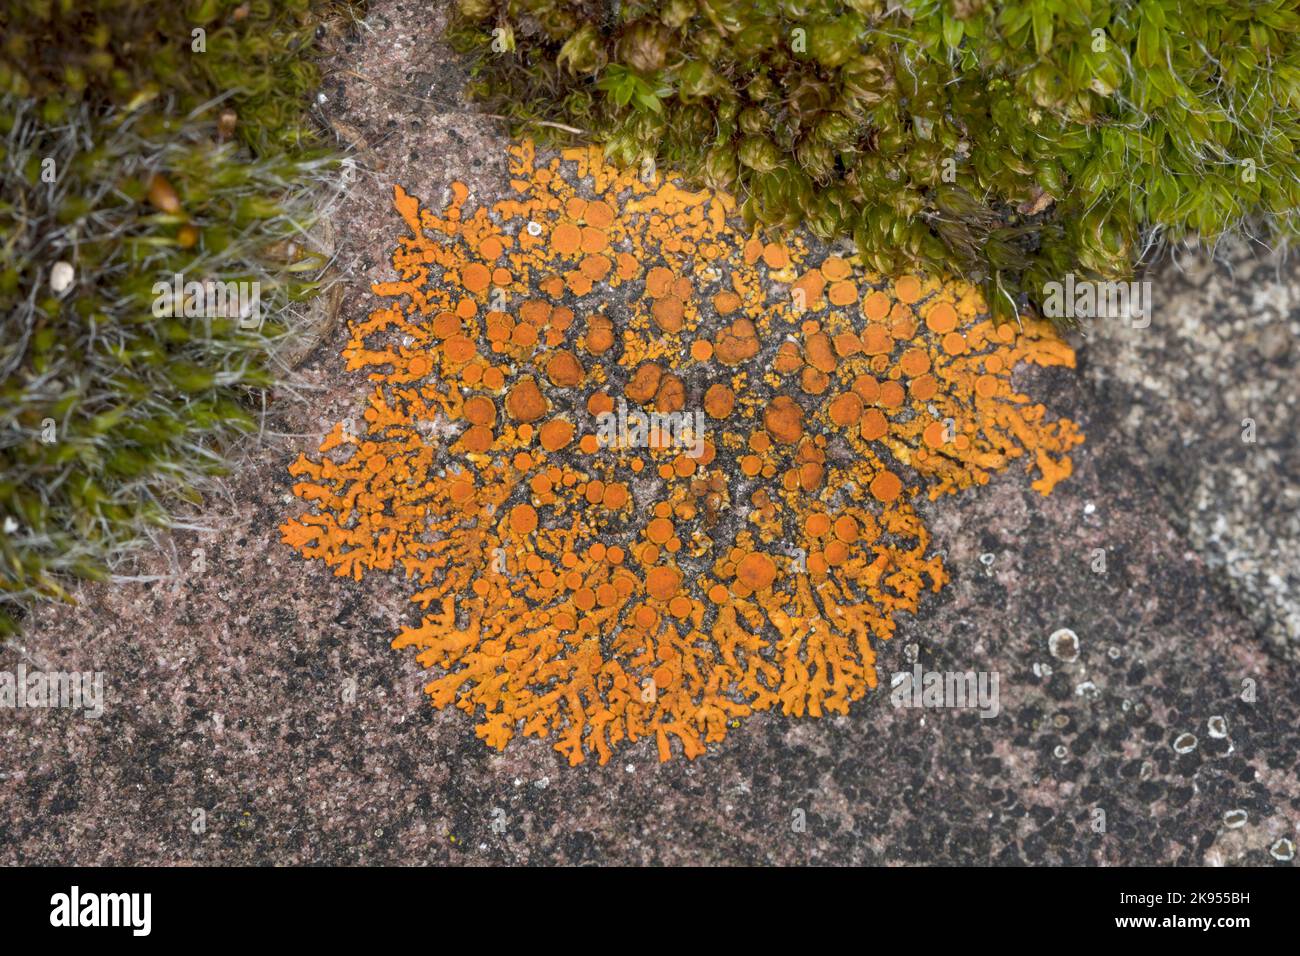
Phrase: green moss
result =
(128, 157)
(1010, 143)
(253, 54)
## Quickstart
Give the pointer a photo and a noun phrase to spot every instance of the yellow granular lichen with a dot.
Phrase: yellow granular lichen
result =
(649, 475)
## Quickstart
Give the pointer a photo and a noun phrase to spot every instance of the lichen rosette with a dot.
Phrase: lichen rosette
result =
(649, 474)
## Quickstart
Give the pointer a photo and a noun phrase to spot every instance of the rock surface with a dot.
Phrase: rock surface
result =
(1211, 399)
(255, 713)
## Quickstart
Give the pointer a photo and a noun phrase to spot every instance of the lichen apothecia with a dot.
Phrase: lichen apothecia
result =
(596, 592)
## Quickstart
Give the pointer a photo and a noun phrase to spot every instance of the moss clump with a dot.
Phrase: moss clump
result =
(1010, 143)
(129, 157)
(251, 55)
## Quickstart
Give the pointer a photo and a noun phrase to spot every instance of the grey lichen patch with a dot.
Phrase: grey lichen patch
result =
(1064, 645)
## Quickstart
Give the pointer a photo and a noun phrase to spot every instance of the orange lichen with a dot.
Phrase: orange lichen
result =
(668, 577)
